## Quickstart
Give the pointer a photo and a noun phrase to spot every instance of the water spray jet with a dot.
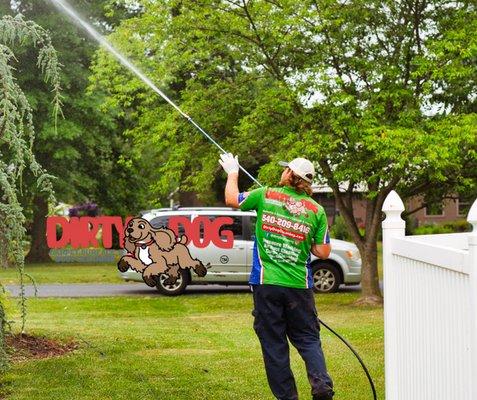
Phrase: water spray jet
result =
(65, 8)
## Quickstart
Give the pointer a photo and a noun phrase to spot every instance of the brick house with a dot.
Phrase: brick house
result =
(448, 210)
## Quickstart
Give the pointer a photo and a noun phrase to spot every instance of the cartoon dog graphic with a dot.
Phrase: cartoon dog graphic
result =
(153, 252)
(295, 207)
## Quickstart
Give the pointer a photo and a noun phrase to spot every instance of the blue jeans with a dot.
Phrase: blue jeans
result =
(282, 312)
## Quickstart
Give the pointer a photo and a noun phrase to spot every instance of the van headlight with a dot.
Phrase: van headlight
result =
(353, 255)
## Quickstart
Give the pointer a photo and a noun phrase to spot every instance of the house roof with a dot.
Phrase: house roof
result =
(320, 188)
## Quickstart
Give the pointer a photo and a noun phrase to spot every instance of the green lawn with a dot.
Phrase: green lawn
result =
(65, 273)
(86, 273)
(190, 347)
(380, 260)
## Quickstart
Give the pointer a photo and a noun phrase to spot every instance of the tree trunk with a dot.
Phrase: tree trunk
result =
(370, 290)
(39, 251)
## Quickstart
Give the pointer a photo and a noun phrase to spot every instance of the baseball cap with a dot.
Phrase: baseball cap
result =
(302, 167)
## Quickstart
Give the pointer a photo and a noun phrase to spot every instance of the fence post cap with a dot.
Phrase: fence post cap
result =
(472, 217)
(393, 203)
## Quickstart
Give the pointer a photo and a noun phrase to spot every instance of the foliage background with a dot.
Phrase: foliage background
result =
(369, 90)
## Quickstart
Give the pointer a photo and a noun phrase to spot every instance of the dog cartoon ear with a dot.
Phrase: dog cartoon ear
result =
(165, 238)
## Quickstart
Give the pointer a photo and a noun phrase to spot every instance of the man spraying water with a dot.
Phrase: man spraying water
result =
(283, 240)
(290, 224)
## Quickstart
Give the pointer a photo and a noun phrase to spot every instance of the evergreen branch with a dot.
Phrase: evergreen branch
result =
(17, 134)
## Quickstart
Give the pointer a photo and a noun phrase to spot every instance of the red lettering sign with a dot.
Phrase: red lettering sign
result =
(82, 231)
(216, 233)
(51, 239)
(210, 230)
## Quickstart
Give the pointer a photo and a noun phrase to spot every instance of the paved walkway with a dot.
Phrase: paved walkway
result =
(125, 289)
(107, 290)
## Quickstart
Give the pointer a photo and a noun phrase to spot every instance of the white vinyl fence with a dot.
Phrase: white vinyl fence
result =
(430, 310)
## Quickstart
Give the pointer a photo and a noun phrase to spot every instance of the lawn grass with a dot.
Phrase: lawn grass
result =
(380, 260)
(64, 273)
(198, 347)
(90, 273)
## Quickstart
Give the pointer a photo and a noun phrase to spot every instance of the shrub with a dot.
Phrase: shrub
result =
(432, 229)
(448, 227)
(459, 226)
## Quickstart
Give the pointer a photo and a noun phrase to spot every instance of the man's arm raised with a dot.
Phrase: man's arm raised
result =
(231, 166)
(232, 190)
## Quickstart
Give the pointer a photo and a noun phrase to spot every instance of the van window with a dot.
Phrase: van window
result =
(159, 222)
(163, 221)
(236, 227)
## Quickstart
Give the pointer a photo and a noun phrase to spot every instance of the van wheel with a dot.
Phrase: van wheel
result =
(176, 288)
(326, 278)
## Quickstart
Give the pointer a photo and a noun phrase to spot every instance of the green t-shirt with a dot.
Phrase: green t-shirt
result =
(288, 223)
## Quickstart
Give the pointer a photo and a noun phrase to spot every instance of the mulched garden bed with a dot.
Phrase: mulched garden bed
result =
(22, 347)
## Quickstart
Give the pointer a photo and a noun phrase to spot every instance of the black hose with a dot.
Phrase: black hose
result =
(357, 356)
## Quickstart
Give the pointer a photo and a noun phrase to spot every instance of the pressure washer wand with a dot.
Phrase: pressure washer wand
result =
(63, 6)
(220, 147)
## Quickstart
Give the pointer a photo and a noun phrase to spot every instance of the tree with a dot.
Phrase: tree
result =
(16, 140)
(82, 149)
(155, 130)
(381, 94)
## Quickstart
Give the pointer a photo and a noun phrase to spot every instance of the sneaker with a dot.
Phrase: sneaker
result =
(323, 396)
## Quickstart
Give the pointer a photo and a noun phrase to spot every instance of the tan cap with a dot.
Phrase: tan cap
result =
(302, 167)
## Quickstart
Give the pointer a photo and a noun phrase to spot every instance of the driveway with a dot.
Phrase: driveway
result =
(125, 289)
